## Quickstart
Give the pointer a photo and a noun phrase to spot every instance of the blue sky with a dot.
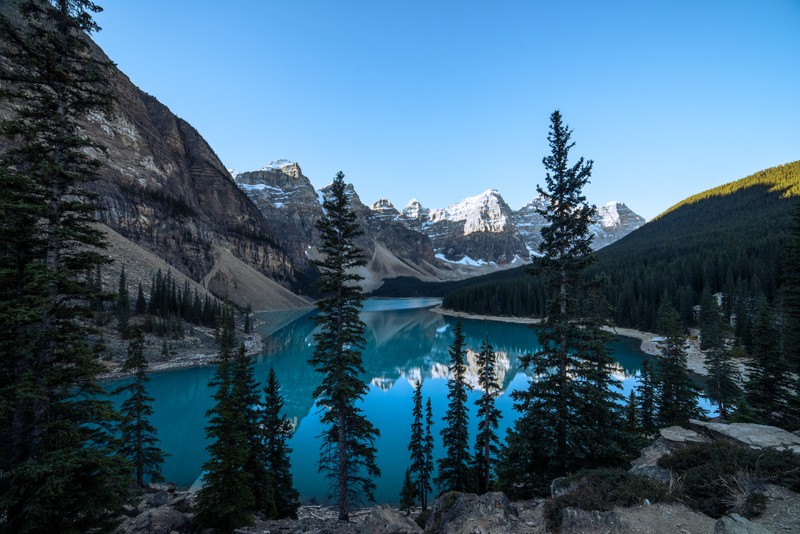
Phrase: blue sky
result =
(440, 100)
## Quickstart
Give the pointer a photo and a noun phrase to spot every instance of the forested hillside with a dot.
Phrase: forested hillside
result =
(729, 239)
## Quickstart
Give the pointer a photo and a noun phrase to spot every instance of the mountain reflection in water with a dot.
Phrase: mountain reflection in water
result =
(405, 342)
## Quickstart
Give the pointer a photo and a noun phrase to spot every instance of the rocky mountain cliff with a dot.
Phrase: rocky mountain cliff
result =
(162, 187)
(473, 236)
(289, 203)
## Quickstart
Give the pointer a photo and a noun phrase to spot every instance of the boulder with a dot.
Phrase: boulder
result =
(751, 435)
(162, 520)
(461, 513)
(677, 437)
(647, 463)
(577, 520)
(736, 524)
(387, 520)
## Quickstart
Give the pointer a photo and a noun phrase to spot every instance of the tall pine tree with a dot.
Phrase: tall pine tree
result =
(646, 399)
(486, 441)
(454, 467)
(277, 433)
(59, 467)
(768, 389)
(428, 450)
(553, 435)
(721, 386)
(226, 500)
(139, 439)
(348, 451)
(676, 395)
(416, 447)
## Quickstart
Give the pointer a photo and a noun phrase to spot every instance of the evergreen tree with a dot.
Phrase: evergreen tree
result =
(676, 395)
(769, 385)
(720, 384)
(137, 434)
(790, 292)
(348, 452)
(245, 398)
(59, 470)
(226, 500)
(417, 449)
(454, 467)
(553, 435)
(408, 494)
(141, 304)
(486, 441)
(631, 414)
(123, 304)
(646, 399)
(277, 433)
(428, 449)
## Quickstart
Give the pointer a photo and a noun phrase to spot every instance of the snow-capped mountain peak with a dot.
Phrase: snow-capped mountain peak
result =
(487, 212)
(277, 164)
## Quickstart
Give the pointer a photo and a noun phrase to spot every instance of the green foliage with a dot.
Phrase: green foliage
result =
(420, 469)
(486, 441)
(347, 455)
(408, 494)
(715, 476)
(226, 501)
(769, 387)
(454, 468)
(720, 383)
(138, 436)
(676, 395)
(707, 243)
(277, 433)
(571, 415)
(603, 490)
(646, 399)
(60, 470)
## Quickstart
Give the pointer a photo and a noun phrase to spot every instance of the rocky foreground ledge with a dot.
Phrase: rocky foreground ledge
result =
(165, 510)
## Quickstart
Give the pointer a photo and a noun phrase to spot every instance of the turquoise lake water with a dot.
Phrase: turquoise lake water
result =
(405, 342)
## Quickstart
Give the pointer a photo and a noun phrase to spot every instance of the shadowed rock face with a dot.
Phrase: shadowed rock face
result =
(163, 187)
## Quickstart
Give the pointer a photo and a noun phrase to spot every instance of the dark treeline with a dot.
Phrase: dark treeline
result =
(732, 241)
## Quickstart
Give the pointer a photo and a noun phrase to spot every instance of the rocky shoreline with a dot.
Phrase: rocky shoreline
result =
(164, 510)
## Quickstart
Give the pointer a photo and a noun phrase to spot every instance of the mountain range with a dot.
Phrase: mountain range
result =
(166, 200)
(476, 235)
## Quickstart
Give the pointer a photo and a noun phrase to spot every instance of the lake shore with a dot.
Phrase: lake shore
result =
(695, 358)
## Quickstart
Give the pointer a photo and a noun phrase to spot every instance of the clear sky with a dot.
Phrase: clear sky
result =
(440, 100)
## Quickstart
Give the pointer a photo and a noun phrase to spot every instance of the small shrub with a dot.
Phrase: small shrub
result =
(721, 478)
(603, 490)
(745, 494)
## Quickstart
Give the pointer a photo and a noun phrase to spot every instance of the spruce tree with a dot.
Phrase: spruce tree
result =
(123, 304)
(486, 441)
(226, 500)
(408, 494)
(454, 467)
(139, 440)
(720, 383)
(245, 398)
(141, 303)
(59, 467)
(790, 293)
(277, 433)
(676, 395)
(646, 399)
(347, 455)
(769, 384)
(553, 435)
(428, 450)
(417, 449)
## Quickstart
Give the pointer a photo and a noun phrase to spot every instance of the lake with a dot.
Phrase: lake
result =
(406, 342)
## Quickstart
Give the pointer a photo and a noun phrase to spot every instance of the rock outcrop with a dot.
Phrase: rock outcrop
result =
(161, 186)
(751, 435)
